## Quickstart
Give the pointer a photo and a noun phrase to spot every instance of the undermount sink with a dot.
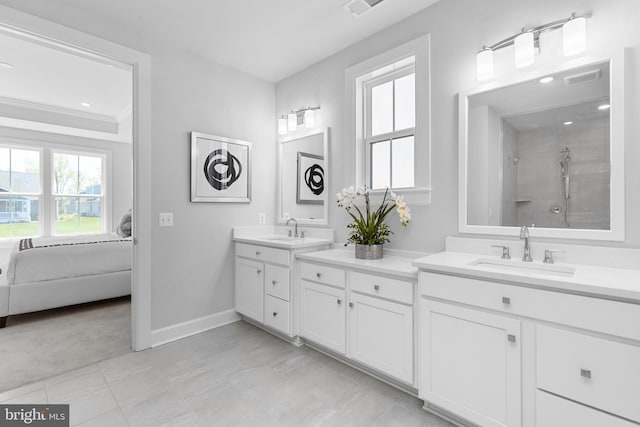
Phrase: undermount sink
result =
(282, 238)
(514, 266)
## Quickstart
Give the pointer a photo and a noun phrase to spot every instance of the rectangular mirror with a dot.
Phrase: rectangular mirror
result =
(547, 153)
(302, 176)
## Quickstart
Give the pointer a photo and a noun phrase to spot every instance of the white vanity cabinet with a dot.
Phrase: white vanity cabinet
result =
(501, 354)
(263, 277)
(471, 363)
(367, 318)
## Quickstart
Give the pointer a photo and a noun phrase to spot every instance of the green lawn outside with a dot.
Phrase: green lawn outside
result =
(29, 229)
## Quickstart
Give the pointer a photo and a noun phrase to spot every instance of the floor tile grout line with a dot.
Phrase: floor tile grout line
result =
(126, 420)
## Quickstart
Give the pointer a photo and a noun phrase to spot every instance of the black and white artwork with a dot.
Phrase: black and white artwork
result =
(219, 169)
(310, 186)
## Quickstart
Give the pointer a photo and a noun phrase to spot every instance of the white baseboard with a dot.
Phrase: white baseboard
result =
(192, 327)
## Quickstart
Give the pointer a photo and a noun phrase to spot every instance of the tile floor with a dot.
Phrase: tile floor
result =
(236, 375)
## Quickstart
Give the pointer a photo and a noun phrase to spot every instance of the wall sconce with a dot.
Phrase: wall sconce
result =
(526, 42)
(289, 122)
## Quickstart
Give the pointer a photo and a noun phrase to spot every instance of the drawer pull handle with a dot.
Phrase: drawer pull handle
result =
(259, 271)
(376, 287)
(275, 313)
(318, 275)
(511, 338)
(350, 305)
(339, 302)
(506, 300)
(257, 253)
(273, 282)
(585, 373)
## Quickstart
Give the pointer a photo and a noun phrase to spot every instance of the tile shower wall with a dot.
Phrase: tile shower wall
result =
(539, 184)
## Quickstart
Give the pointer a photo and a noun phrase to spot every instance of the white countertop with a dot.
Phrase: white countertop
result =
(396, 263)
(277, 236)
(607, 282)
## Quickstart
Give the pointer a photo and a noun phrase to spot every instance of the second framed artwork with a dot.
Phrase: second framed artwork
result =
(220, 169)
(310, 184)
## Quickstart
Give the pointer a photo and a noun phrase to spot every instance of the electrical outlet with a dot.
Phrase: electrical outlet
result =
(262, 218)
(166, 219)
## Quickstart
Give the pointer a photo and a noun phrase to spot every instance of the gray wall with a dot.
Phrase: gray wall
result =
(458, 29)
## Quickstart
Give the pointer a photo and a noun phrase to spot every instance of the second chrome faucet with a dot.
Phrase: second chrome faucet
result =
(524, 235)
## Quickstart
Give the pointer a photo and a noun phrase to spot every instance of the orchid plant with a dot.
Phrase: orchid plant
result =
(369, 227)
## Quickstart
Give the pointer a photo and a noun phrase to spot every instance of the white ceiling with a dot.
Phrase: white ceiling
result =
(270, 39)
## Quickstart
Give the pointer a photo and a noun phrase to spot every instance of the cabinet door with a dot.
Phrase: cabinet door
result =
(471, 363)
(323, 315)
(250, 288)
(381, 335)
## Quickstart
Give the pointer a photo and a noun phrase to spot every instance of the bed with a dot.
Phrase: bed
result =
(51, 272)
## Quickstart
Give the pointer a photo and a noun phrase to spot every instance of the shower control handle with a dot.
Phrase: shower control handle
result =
(548, 255)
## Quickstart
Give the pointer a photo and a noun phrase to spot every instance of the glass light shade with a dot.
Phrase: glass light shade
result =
(484, 64)
(524, 49)
(292, 121)
(282, 125)
(574, 36)
(309, 119)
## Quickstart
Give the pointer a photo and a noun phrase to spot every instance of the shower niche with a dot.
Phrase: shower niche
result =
(547, 152)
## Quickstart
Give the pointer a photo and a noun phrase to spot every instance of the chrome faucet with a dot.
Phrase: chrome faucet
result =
(524, 234)
(296, 227)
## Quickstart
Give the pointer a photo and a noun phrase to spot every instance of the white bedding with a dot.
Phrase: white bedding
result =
(58, 262)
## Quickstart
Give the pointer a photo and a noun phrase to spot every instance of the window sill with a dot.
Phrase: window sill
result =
(413, 196)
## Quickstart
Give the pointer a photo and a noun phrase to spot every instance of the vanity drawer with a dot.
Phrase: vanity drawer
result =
(606, 316)
(323, 274)
(554, 411)
(384, 287)
(278, 256)
(276, 281)
(276, 313)
(597, 372)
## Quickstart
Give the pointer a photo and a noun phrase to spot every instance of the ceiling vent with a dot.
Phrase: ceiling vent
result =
(582, 77)
(358, 7)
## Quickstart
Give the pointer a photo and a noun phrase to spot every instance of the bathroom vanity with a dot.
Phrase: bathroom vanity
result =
(511, 343)
(264, 259)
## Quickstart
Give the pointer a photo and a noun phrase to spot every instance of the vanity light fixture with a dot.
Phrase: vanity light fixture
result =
(289, 122)
(527, 43)
(282, 125)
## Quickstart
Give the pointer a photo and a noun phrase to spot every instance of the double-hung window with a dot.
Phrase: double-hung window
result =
(20, 192)
(390, 129)
(77, 193)
(389, 121)
(47, 191)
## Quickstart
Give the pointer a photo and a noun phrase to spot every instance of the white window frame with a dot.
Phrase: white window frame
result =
(103, 187)
(356, 78)
(39, 195)
(389, 136)
(47, 197)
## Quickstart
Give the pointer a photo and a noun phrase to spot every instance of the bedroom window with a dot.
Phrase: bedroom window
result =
(77, 193)
(20, 192)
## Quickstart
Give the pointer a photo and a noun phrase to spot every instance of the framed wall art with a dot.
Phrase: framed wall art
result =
(310, 185)
(220, 169)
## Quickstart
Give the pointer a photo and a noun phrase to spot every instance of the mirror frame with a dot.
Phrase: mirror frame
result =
(618, 73)
(297, 136)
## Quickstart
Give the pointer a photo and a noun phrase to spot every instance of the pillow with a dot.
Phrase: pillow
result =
(124, 229)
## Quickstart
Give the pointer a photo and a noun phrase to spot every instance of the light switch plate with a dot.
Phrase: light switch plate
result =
(262, 218)
(166, 219)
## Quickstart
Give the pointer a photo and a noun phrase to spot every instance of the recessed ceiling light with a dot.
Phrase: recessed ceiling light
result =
(546, 79)
(6, 65)
(85, 104)
(604, 107)
(567, 123)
